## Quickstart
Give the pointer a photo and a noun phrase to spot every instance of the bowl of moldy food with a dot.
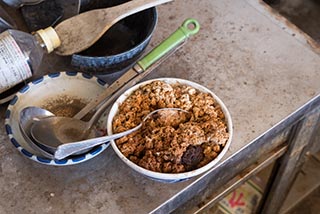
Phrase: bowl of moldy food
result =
(176, 149)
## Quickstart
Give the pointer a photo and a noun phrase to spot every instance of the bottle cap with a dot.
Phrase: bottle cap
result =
(50, 38)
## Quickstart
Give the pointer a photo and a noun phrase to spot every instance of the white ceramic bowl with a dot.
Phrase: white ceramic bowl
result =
(37, 93)
(169, 177)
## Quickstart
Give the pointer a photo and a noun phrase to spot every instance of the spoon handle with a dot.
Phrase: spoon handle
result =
(68, 149)
(169, 44)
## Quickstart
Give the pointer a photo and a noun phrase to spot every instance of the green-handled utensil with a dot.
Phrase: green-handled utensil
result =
(187, 29)
(54, 131)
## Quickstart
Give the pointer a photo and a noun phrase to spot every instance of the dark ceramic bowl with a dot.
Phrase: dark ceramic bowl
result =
(120, 46)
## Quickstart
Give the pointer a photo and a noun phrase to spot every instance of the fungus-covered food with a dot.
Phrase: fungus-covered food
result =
(182, 144)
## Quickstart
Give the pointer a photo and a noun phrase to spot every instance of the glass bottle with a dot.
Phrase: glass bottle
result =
(21, 54)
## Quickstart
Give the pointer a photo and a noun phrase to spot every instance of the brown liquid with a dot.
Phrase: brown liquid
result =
(65, 106)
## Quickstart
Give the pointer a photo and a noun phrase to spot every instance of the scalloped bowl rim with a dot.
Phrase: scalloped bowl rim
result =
(22, 93)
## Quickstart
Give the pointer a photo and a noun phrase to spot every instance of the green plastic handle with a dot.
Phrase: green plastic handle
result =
(188, 28)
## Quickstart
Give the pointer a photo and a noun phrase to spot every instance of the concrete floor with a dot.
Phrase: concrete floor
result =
(310, 205)
(306, 191)
(304, 197)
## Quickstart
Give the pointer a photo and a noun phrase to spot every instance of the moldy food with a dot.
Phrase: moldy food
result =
(178, 145)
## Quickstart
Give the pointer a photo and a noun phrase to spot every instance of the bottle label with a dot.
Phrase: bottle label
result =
(14, 67)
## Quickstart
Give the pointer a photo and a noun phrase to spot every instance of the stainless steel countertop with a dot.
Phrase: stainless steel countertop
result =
(261, 72)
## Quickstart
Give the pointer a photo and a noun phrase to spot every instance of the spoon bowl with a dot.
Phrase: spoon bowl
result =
(26, 121)
(54, 131)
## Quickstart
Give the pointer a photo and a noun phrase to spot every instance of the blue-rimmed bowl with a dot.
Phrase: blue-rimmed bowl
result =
(71, 85)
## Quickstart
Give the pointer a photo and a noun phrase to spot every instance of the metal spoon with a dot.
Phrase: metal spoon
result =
(131, 77)
(28, 117)
(56, 130)
(165, 116)
(26, 121)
